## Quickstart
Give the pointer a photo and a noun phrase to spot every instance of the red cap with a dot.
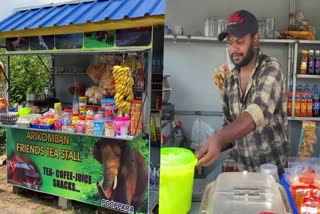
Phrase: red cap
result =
(82, 118)
(91, 108)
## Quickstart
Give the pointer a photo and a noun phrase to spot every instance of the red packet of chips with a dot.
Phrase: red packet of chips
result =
(310, 205)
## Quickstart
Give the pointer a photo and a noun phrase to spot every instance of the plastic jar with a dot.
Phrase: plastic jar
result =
(57, 109)
(66, 117)
(89, 125)
(82, 103)
(68, 129)
(90, 111)
(107, 100)
(81, 124)
(98, 127)
(100, 114)
(103, 102)
(122, 126)
(74, 120)
(109, 129)
(110, 110)
(83, 113)
(57, 124)
(110, 107)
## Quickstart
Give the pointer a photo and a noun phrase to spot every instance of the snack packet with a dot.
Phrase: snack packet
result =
(308, 139)
(220, 74)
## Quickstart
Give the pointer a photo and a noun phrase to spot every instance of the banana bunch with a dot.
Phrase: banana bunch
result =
(123, 84)
(219, 75)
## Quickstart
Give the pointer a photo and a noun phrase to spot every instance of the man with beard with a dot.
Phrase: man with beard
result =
(254, 103)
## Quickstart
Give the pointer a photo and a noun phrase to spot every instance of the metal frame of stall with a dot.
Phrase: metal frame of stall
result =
(124, 23)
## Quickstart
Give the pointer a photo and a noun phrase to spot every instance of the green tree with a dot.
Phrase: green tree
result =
(27, 74)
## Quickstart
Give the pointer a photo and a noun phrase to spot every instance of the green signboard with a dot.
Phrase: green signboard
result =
(99, 171)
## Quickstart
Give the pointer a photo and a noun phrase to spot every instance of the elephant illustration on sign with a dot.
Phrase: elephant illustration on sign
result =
(125, 173)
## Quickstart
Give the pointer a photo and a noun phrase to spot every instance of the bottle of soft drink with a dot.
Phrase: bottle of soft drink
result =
(314, 88)
(309, 100)
(297, 106)
(75, 105)
(303, 103)
(316, 104)
(289, 105)
(311, 62)
(317, 62)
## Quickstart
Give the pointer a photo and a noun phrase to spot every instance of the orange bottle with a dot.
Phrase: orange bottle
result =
(303, 103)
(297, 110)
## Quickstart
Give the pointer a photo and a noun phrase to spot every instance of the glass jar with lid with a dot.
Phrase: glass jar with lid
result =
(82, 103)
(100, 114)
(90, 111)
(66, 117)
(81, 124)
(89, 125)
(109, 128)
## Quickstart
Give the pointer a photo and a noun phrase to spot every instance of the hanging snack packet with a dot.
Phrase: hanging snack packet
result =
(308, 139)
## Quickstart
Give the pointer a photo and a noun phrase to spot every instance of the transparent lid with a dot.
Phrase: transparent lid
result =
(243, 180)
(243, 192)
(175, 157)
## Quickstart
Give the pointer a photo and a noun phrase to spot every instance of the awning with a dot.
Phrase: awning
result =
(80, 17)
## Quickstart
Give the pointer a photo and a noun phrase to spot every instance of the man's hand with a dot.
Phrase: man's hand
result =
(219, 76)
(211, 149)
(209, 152)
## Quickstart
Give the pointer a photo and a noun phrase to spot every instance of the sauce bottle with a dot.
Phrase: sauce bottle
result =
(304, 61)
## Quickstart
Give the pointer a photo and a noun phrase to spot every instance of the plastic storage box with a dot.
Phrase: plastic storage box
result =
(243, 192)
(9, 118)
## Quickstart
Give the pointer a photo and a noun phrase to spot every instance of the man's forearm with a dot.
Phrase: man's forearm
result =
(235, 130)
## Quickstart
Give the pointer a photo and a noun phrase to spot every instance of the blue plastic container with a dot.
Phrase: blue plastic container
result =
(40, 126)
(287, 188)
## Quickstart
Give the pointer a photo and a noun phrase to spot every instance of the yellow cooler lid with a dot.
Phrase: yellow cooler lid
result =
(176, 157)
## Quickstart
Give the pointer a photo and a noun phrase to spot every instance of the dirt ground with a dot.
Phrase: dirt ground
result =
(30, 202)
